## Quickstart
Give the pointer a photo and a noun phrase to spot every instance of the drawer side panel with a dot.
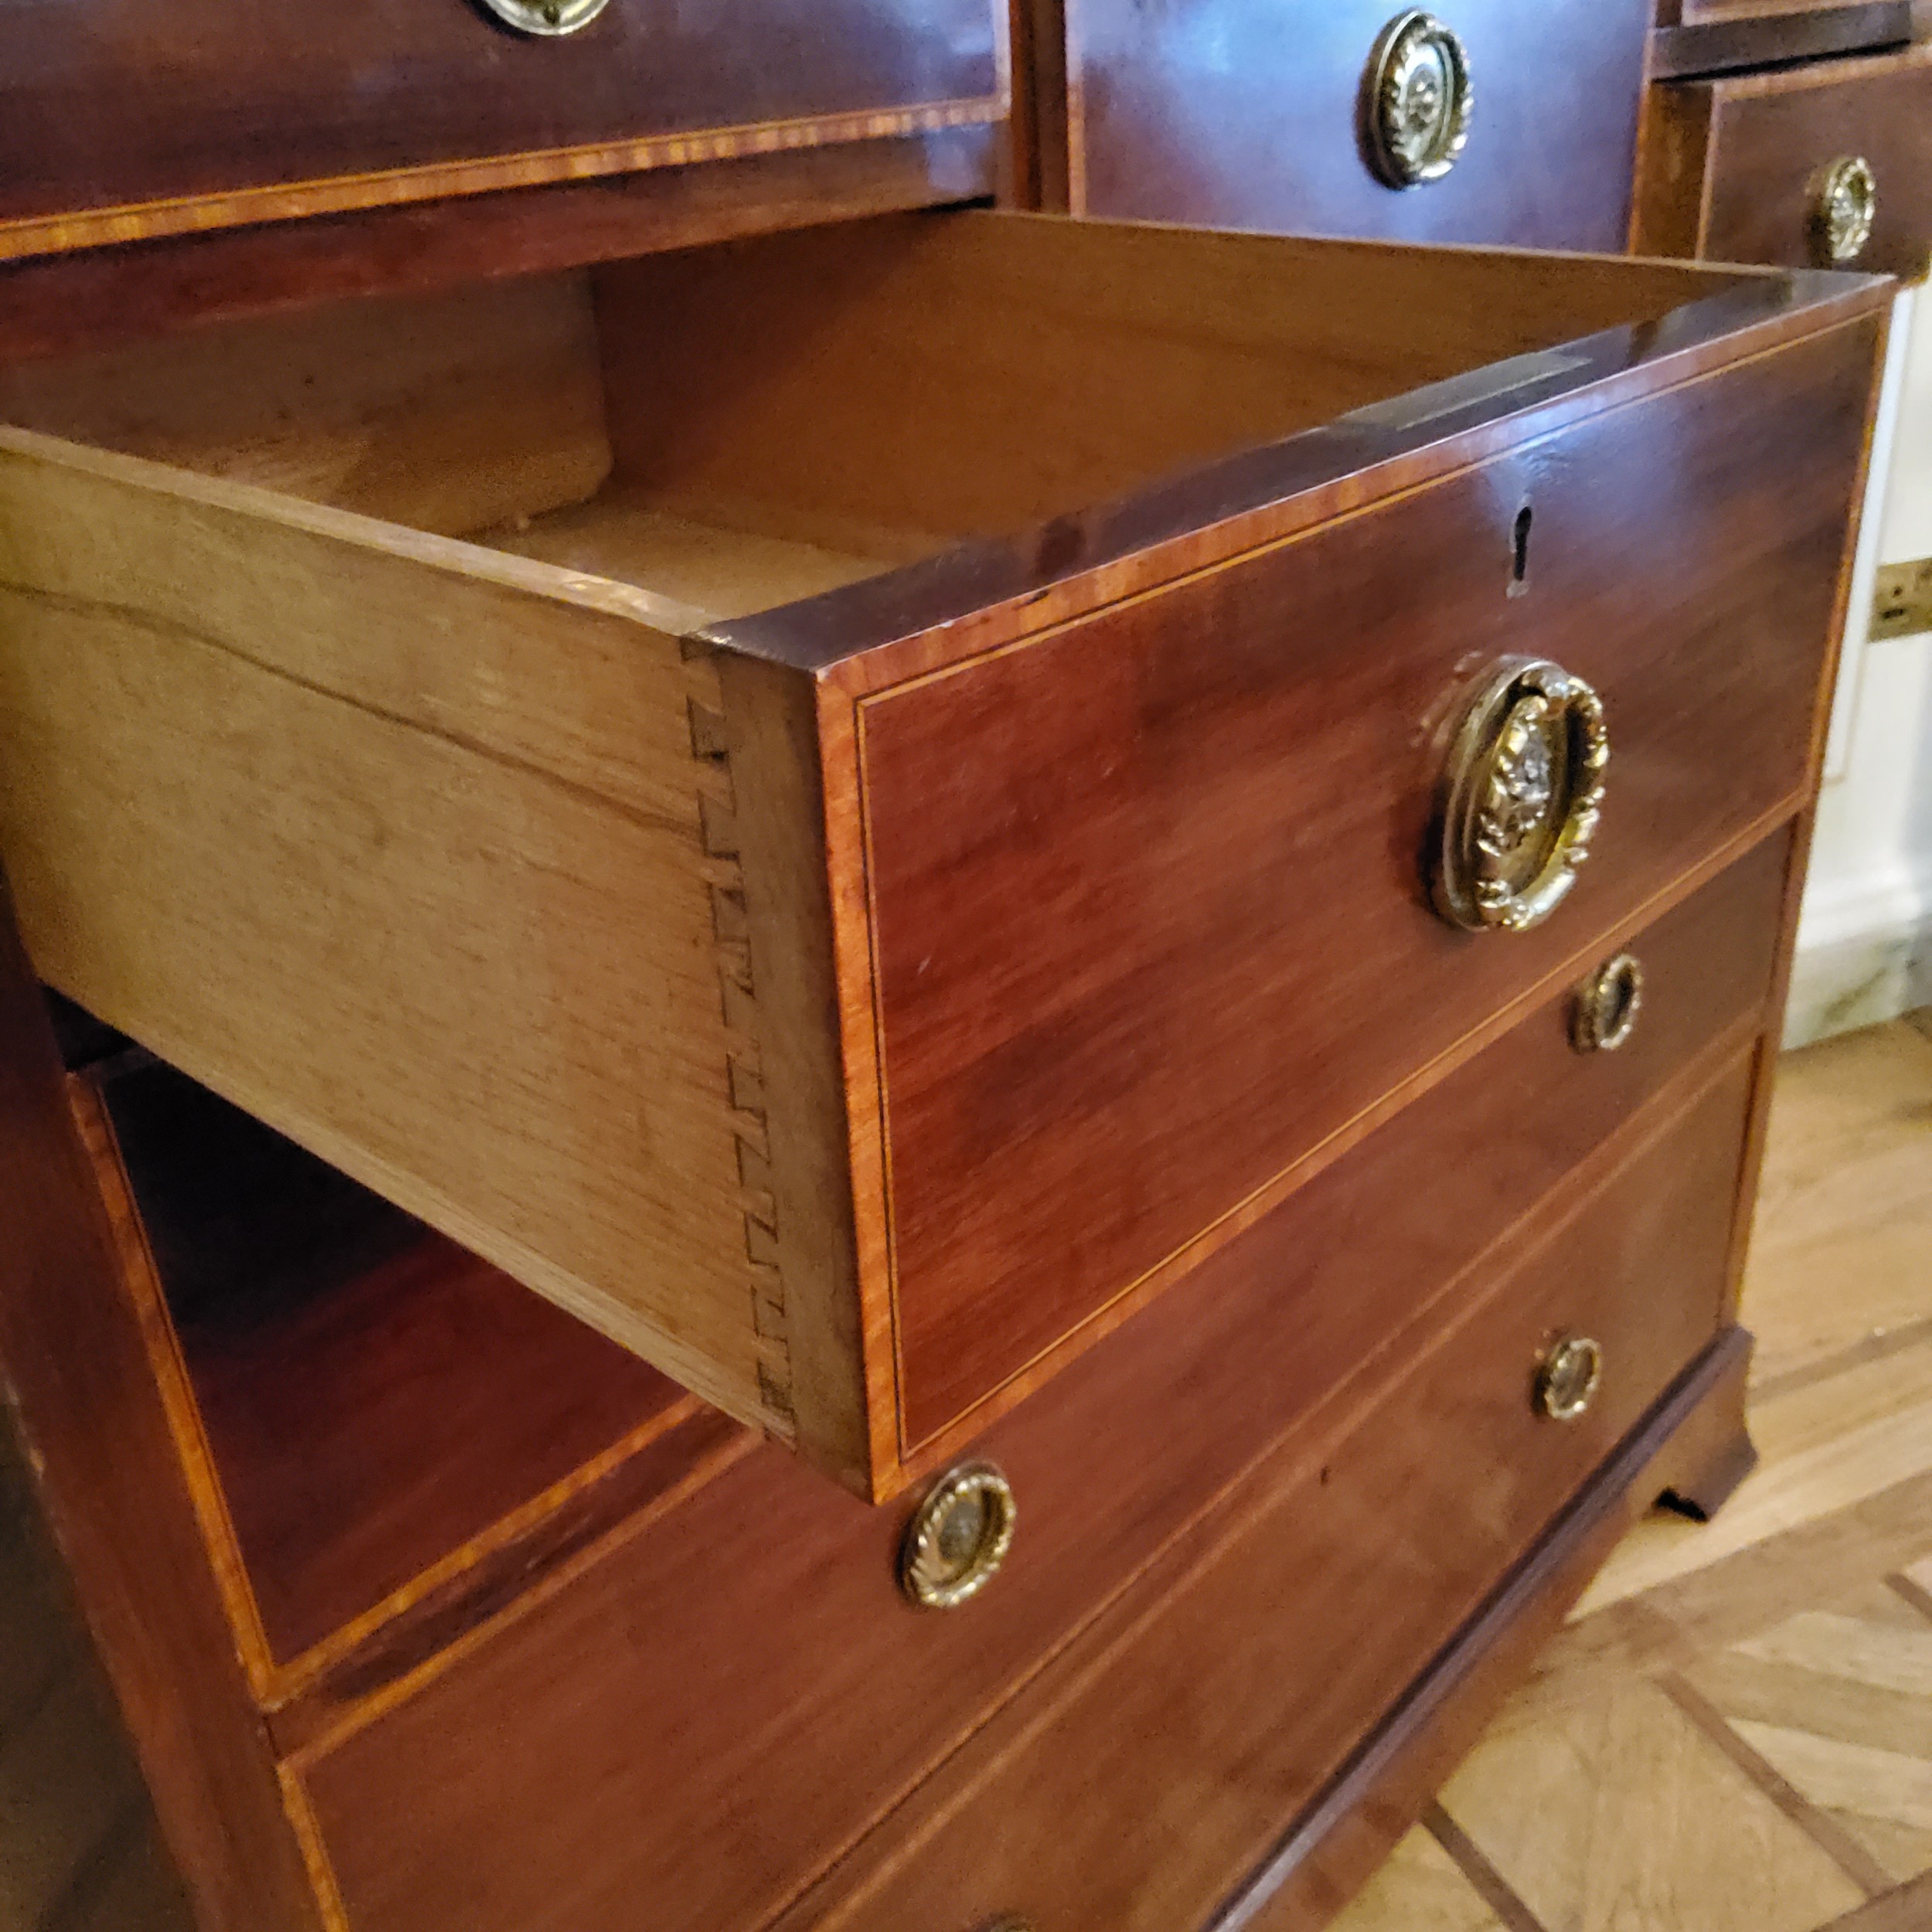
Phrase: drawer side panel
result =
(407, 863)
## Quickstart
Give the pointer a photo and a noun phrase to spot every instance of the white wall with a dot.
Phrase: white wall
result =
(1865, 940)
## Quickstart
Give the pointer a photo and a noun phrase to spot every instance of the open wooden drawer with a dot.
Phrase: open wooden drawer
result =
(669, 776)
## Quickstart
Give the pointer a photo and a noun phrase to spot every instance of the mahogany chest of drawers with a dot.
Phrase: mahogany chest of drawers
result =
(878, 1039)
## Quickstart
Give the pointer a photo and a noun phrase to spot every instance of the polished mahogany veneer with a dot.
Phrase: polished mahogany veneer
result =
(1145, 910)
(372, 1399)
(1227, 112)
(1336, 1351)
(1344, 1567)
(130, 118)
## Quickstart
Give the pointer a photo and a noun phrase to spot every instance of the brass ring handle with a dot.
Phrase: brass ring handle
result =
(1844, 205)
(1522, 792)
(1416, 99)
(1607, 1004)
(1568, 1377)
(549, 18)
(958, 1537)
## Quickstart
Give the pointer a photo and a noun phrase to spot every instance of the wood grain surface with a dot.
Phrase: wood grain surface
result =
(1810, 1632)
(1220, 112)
(448, 413)
(232, 114)
(847, 1696)
(1690, 12)
(1398, 1213)
(1057, 321)
(1729, 166)
(501, 883)
(901, 382)
(1164, 929)
(1754, 1692)
(384, 846)
(1210, 1740)
(1759, 37)
(57, 305)
(1323, 1861)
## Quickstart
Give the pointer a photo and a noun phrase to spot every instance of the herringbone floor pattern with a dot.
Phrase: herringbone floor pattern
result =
(1733, 1735)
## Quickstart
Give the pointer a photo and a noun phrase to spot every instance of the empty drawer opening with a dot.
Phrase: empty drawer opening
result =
(375, 1405)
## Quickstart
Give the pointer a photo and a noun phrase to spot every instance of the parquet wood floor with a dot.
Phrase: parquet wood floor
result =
(1734, 1734)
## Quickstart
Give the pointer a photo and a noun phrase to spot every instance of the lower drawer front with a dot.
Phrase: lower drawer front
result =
(740, 1674)
(743, 1676)
(1216, 1719)
(1739, 168)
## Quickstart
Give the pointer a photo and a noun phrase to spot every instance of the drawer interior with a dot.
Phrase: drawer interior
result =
(369, 1397)
(733, 428)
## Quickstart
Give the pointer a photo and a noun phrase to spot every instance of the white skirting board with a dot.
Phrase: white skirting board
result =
(1865, 940)
(1863, 956)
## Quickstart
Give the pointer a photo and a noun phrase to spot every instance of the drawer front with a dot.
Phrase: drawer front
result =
(1217, 1718)
(1739, 169)
(742, 1673)
(1697, 13)
(144, 102)
(1228, 112)
(1161, 928)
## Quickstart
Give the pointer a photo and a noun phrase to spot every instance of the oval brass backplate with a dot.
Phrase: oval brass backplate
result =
(1844, 207)
(549, 18)
(1522, 790)
(958, 1537)
(1568, 1377)
(1416, 100)
(1607, 1004)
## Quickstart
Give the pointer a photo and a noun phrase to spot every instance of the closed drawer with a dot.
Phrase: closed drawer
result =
(1214, 1718)
(1222, 111)
(1163, 928)
(1793, 165)
(955, 943)
(740, 1674)
(127, 118)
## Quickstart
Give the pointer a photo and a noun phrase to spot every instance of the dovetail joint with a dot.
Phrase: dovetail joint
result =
(737, 992)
